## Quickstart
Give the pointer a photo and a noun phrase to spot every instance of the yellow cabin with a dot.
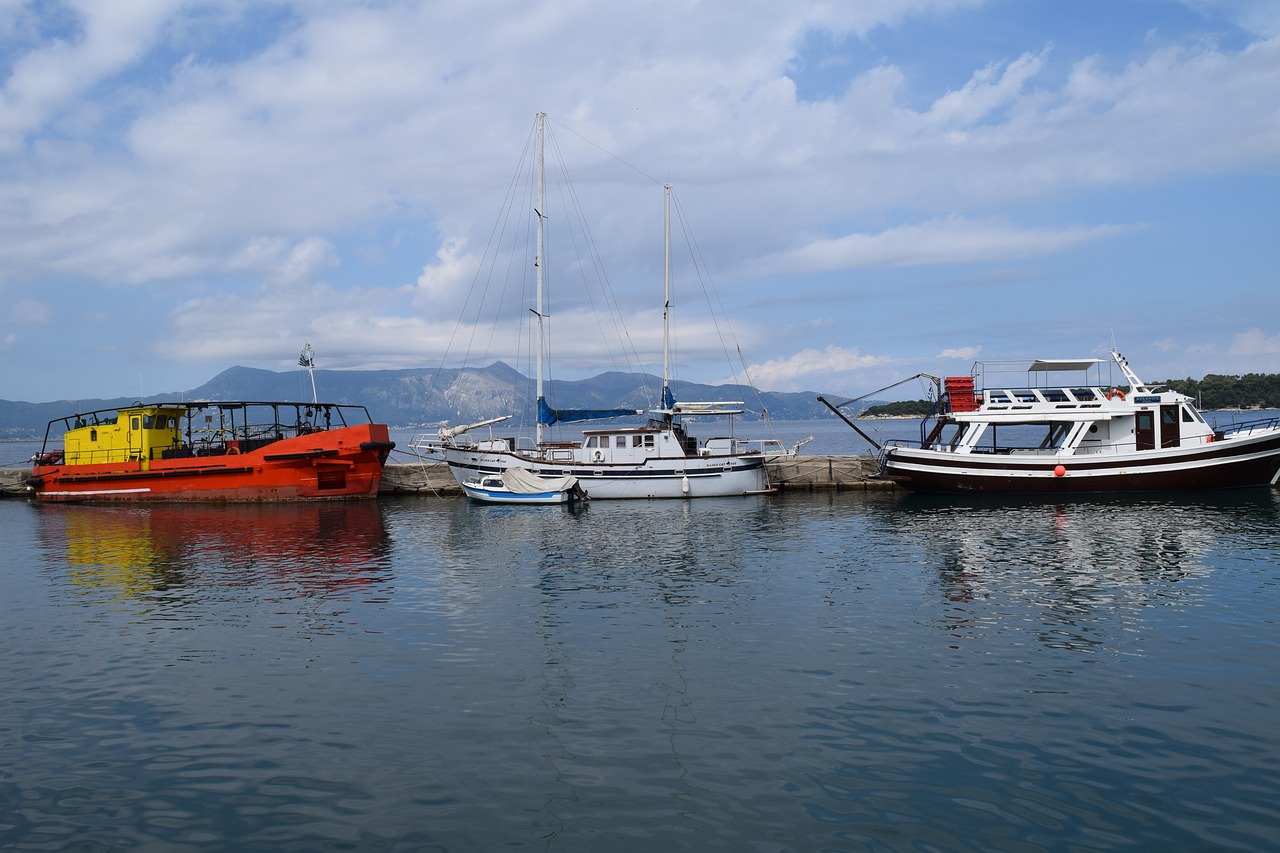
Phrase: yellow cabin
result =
(136, 434)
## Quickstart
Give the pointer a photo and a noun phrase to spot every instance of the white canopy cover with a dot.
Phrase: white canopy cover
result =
(524, 482)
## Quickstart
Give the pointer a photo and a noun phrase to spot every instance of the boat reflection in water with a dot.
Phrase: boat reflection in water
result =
(1082, 562)
(830, 671)
(160, 555)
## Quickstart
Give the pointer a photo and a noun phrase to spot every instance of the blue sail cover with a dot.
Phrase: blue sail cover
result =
(668, 399)
(548, 416)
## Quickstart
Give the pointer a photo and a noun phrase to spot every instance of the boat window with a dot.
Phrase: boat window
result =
(947, 435)
(1055, 436)
(648, 442)
(591, 441)
(1187, 417)
(135, 423)
(636, 440)
(620, 441)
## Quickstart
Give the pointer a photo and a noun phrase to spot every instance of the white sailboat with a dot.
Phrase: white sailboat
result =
(657, 459)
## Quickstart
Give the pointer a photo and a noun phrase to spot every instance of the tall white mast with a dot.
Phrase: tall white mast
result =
(308, 360)
(666, 295)
(537, 262)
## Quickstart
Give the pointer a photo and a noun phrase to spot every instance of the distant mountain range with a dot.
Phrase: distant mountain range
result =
(427, 396)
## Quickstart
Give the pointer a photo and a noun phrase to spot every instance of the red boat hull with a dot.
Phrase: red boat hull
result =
(335, 464)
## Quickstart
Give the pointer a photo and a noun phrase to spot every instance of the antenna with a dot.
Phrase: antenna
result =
(308, 360)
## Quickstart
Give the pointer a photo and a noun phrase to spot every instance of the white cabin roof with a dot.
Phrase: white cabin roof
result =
(1060, 364)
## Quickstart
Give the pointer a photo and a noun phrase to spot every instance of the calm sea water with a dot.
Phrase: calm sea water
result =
(789, 673)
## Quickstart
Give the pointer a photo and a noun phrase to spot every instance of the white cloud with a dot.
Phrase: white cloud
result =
(30, 312)
(276, 260)
(1255, 342)
(1257, 16)
(939, 241)
(449, 277)
(49, 78)
(995, 86)
(307, 259)
(808, 363)
(358, 110)
(156, 146)
(267, 325)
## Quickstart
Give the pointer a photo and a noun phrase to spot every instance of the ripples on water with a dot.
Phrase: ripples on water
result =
(827, 672)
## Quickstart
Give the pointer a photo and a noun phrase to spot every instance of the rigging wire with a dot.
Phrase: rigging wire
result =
(488, 280)
(607, 152)
(711, 294)
(629, 359)
(484, 274)
(717, 312)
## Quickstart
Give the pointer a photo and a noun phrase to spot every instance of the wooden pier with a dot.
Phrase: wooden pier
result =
(786, 474)
(13, 482)
(432, 477)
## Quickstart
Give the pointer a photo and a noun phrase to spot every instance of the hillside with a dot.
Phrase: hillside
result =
(418, 396)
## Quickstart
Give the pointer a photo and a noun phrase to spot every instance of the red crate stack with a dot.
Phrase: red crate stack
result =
(960, 393)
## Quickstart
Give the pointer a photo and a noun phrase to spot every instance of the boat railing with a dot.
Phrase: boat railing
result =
(734, 446)
(1248, 427)
(1107, 449)
(426, 443)
(247, 437)
(882, 454)
(772, 447)
(1049, 396)
(930, 433)
(94, 456)
(721, 446)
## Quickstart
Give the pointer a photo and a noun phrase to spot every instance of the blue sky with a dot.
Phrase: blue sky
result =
(877, 188)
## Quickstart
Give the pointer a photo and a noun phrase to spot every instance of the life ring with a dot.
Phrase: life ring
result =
(599, 457)
(1115, 392)
(233, 451)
